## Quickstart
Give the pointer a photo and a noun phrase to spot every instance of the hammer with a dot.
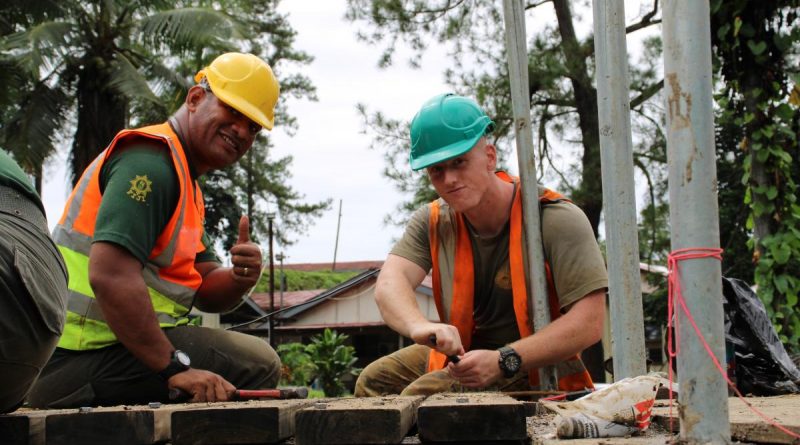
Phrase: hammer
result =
(300, 392)
(453, 358)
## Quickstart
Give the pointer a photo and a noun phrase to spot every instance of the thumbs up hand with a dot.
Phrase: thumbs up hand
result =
(245, 256)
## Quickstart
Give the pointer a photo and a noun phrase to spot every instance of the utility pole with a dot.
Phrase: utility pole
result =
(514, 14)
(280, 257)
(694, 218)
(336, 245)
(270, 219)
(619, 200)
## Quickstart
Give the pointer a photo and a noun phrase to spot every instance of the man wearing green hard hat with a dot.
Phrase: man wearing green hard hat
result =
(471, 240)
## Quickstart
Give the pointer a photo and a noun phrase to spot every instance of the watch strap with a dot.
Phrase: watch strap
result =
(174, 367)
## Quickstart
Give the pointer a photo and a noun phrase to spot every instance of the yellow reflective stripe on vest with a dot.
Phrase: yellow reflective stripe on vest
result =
(81, 333)
(77, 263)
(86, 326)
(78, 267)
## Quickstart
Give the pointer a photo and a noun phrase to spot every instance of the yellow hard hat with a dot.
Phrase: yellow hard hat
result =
(246, 83)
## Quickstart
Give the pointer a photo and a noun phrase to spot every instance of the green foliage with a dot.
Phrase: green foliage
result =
(333, 359)
(756, 56)
(302, 280)
(327, 358)
(297, 367)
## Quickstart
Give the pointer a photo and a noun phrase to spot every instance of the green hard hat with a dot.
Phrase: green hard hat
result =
(445, 127)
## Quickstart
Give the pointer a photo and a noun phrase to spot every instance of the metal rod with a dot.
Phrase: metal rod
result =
(514, 14)
(272, 342)
(336, 244)
(619, 192)
(694, 216)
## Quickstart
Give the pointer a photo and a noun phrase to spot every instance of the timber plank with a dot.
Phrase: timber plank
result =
(368, 420)
(475, 417)
(122, 425)
(23, 427)
(251, 422)
(748, 426)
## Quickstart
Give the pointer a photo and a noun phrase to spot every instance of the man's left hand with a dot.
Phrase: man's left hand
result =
(245, 257)
(477, 369)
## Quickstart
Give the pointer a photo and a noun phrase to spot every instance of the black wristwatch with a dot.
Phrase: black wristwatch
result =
(509, 361)
(178, 362)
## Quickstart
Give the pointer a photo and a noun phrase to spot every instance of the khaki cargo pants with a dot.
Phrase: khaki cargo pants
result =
(112, 376)
(403, 372)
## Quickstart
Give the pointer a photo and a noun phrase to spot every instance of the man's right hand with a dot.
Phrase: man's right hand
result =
(202, 385)
(448, 341)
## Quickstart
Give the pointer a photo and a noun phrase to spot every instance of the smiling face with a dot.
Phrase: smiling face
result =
(217, 134)
(464, 180)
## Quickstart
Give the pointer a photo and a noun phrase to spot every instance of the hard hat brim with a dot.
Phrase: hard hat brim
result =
(446, 153)
(253, 113)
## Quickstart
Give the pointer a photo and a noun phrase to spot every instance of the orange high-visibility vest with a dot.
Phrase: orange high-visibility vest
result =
(169, 273)
(456, 305)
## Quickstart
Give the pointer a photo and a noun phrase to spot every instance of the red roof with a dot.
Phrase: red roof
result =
(289, 298)
(347, 265)
(331, 325)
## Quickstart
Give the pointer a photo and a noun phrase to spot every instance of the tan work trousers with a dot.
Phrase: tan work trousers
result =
(403, 372)
(113, 376)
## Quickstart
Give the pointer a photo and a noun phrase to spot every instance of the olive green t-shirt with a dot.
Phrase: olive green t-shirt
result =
(140, 191)
(569, 247)
(11, 175)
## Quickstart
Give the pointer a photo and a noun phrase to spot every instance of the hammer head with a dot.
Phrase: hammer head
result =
(300, 392)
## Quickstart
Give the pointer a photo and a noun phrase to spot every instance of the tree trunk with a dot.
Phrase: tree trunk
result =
(101, 114)
(589, 195)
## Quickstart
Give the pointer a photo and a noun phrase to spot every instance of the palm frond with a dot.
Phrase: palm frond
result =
(188, 28)
(166, 78)
(39, 47)
(128, 81)
(31, 126)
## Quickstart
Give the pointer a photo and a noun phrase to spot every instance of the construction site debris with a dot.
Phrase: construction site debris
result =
(620, 409)
(760, 363)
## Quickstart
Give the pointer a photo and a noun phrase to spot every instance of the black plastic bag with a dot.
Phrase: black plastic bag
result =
(761, 365)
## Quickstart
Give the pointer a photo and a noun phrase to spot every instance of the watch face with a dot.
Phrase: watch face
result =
(512, 362)
(183, 358)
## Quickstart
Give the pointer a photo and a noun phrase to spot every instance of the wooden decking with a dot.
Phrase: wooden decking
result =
(452, 418)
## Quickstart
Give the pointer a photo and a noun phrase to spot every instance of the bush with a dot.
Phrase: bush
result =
(327, 358)
(297, 367)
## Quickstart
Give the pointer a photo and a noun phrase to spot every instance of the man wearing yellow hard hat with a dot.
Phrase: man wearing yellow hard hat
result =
(139, 258)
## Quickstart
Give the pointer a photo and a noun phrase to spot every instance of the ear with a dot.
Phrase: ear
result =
(194, 97)
(491, 156)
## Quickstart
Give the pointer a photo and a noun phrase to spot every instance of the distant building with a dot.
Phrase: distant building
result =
(348, 308)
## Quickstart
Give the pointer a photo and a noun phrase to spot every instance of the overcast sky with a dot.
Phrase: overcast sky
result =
(332, 158)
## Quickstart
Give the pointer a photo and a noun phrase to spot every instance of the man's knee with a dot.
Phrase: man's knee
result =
(266, 361)
(432, 383)
(366, 382)
(246, 361)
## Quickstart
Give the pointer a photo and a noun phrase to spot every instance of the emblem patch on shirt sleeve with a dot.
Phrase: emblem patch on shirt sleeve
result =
(140, 187)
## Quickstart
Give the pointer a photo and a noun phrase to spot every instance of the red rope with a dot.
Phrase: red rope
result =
(676, 298)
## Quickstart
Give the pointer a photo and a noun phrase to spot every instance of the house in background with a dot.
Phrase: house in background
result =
(348, 308)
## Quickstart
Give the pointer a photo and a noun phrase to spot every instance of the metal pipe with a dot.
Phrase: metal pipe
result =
(619, 192)
(336, 244)
(516, 44)
(694, 216)
(270, 218)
